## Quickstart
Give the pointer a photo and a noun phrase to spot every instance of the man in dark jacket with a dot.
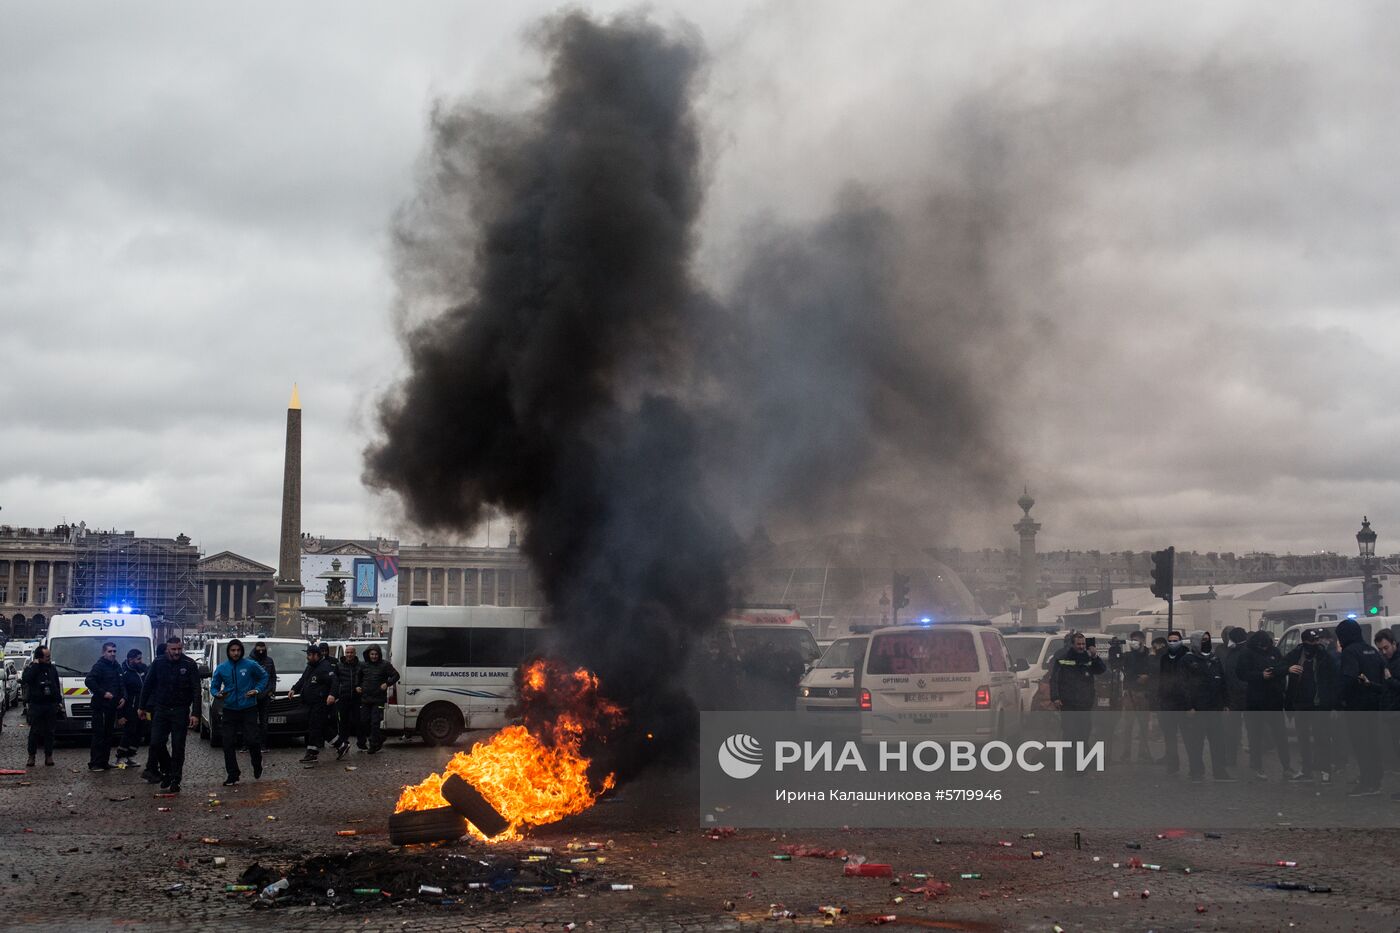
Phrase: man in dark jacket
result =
(1310, 694)
(1390, 693)
(1137, 700)
(170, 700)
(43, 697)
(347, 704)
(1173, 696)
(1208, 697)
(104, 682)
(133, 678)
(1264, 674)
(1232, 720)
(1362, 674)
(264, 659)
(372, 682)
(317, 688)
(1072, 687)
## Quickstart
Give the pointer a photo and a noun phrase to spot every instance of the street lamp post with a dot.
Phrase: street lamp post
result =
(1366, 544)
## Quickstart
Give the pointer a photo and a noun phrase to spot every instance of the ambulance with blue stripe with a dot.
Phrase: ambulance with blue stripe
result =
(456, 667)
(75, 642)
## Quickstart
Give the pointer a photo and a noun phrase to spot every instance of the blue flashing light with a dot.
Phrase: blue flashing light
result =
(1352, 616)
(114, 609)
(925, 621)
(126, 609)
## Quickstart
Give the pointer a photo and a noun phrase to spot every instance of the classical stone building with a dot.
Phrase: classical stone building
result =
(454, 575)
(46, 570)
(36, 576)
(232, 586)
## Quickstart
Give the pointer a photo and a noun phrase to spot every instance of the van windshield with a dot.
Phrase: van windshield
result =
(80, 652)
(289, 657)
(928, 651)
(1025, 648)
(783, 639)
(844, 652)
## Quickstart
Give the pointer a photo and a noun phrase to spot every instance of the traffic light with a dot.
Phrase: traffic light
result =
(1371, 597)
(901, 590)
(1162, 564)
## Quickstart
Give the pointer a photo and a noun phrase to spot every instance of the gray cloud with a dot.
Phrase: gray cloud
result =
(1196, 215)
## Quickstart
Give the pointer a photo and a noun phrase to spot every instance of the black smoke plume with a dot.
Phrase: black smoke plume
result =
(567, 368)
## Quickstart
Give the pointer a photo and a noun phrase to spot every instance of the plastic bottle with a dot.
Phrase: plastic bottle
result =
(276, 888)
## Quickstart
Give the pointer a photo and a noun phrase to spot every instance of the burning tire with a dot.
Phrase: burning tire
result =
(440, 724)
(442, 824)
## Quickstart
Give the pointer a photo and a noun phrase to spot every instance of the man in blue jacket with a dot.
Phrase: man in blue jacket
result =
(104, 682)
(237, 682)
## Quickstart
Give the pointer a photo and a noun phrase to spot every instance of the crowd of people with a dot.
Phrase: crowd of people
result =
(1216, 701)
(345, 695)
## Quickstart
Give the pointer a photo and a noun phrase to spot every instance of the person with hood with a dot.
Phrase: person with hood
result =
(372, 682)
(1072, 687)
(265, 661)
(1232, 720)
(237, 682)
(1360, 685)
(347, 704)
(1310, 694)
(1208, 698)
(1261, 668)
(43, 702)
(133, 678)
(104, 682)
(1137, 686)
(317, 688)
(1173, 696)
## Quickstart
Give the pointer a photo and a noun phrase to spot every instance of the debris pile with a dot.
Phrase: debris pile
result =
(434, 876)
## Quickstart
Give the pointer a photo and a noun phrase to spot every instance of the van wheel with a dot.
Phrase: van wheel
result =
(440, 724)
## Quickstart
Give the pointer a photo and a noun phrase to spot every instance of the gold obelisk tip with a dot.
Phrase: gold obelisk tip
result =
(295, 403)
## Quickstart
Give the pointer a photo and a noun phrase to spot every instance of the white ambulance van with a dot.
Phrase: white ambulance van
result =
(457, 667)
(75, 641)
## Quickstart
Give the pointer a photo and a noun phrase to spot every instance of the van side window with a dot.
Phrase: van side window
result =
(437, 647)
(496, 647)
(996, 652)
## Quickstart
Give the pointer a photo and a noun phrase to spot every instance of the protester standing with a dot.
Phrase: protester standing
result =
(237, 682)
(1362, 676)
(133, 678)
(347, 704)
(43, 697)
(170, 699)
(265, 661)
(1310, 695)
(104, 683)
(317, 688)
(1232, 720)
(373, 680)
(1207, 696)
(1137, 685)
(1072, 687)
(1173, 697)
(1262, 669)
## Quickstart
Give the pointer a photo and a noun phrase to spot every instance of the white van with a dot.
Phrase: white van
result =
(830, 686)
(917, 677)
(285, 715)
(457, 667)
(75, 641)
(1033, 650)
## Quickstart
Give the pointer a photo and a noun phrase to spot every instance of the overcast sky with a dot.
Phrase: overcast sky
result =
(1196, 243)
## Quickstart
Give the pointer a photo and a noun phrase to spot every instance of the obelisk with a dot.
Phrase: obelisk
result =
(289, 588)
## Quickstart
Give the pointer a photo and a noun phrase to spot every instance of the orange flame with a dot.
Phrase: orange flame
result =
(535, 775)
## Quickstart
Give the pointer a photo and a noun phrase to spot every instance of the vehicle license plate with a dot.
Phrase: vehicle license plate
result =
(920, 697)
(277, 720)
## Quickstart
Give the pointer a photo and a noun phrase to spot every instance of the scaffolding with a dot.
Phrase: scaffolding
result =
(156, 576)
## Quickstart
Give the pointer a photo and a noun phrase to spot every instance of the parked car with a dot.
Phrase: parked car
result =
(9, 689)
(285, 715)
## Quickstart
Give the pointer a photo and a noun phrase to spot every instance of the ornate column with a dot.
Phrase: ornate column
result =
(1030, 567)
(53, 597)
(10, 586)
(29, 595)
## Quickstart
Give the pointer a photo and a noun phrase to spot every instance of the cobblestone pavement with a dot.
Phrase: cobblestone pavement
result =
(75, 858)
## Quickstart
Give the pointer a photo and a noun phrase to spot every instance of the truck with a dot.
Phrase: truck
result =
(75, 640)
